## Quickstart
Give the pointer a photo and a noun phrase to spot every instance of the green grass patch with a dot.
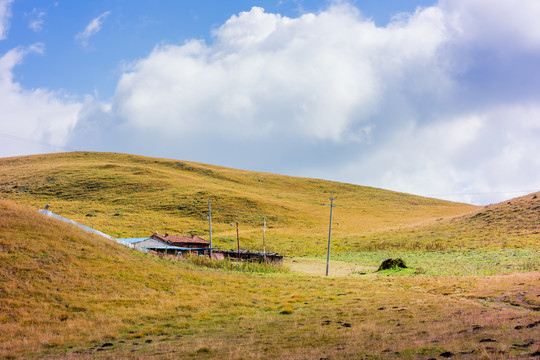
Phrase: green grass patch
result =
(398, 271)
(472, 262)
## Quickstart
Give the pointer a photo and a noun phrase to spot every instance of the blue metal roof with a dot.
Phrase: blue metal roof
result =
(174, 248)
(161, 246)
(134, 240)
(165, 247)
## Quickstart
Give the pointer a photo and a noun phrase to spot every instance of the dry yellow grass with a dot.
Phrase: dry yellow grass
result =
(514, 223)
(317, 267)
(67, 294)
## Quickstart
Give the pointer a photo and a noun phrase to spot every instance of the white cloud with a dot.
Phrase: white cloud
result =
(492, 24)
(37, 20)
(463, 158)
(316, 77)
(38, 115)
(441, 101)
(92, 28)
(5, 14)
(36, 24)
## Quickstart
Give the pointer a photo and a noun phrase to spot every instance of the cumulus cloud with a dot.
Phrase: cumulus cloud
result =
(487, 24)
(440, 101)
(92, 28)
(316, 77)
(476, 158)
(44, 118)
(5, 14)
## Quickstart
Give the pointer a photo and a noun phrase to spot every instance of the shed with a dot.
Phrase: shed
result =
(191, 243)
(152, 244)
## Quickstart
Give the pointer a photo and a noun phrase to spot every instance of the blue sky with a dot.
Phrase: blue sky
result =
(130, 31)
(438, 98)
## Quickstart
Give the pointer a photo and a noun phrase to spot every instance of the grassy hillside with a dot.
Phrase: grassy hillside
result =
(513, 223)
(128, 195)
(65, 293)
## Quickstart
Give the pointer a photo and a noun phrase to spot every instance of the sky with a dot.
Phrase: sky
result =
(434, 98)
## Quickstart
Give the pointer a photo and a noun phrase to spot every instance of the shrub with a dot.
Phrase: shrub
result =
(287, 310)
(392, 264)
(203, 350)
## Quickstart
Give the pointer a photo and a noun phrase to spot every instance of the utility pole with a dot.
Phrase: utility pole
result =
(264, 234)
(237, 239)
(332, 206)
(210, 225)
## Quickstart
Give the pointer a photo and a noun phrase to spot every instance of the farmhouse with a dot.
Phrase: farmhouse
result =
(187, 242)
(180, 245)
(170, 244)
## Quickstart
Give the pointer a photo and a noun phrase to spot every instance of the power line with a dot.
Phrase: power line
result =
(487, 193)
(18, 138)
(42, 143)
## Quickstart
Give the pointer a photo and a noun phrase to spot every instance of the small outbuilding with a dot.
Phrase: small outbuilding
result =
(170, 244)
(193, 243)
(183, 245)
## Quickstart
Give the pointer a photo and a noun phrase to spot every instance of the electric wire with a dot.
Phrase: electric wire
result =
(42, 143)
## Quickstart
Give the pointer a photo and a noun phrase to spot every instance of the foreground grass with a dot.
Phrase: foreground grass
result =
(65, 293)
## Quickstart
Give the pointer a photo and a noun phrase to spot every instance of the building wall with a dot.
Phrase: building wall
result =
(191, 245)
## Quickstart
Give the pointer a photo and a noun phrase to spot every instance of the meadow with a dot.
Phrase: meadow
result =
(472, 289)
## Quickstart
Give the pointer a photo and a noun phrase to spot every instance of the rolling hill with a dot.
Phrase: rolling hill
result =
(127, 195)
(509, 224)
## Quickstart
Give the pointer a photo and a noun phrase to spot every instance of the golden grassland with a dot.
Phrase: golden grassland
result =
(69, 294)
(513, 223)
(128, 196)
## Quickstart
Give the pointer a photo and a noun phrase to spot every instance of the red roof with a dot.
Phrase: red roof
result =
(176, 239)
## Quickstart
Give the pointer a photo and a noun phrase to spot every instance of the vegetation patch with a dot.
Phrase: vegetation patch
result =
(392, 264)
(468, 262)
(203, 350)
(233, 265)
(287, 310)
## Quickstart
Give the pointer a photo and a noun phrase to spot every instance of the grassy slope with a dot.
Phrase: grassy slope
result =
(499, 238)
(509, 224)
(63, 291)
(150, 194)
